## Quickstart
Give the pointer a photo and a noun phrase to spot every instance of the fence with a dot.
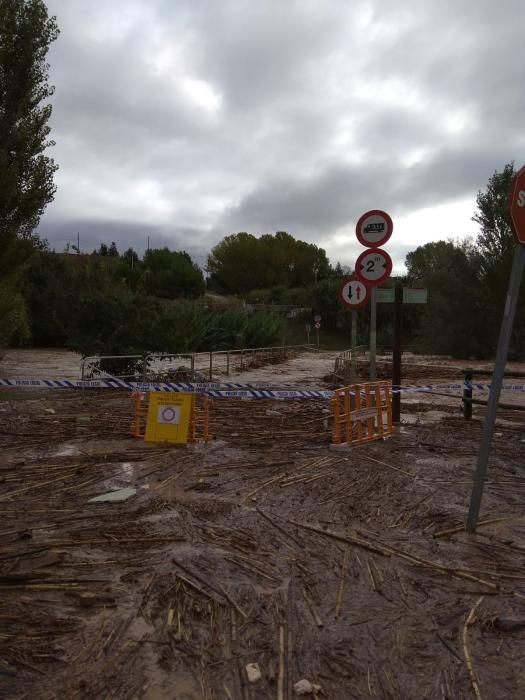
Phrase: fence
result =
(361, 413)
(186, 366)
(469, 384)
(345, 368)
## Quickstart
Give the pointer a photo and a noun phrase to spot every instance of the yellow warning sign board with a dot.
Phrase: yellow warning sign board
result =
(169, 416)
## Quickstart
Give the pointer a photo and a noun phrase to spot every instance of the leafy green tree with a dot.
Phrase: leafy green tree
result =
(26, 173)
(171, 274)
(234, 264)
(495, 240)
(47, 289)
(130, 256)
(496, 246)
(112, 250)
(241, 262)
(452, 320)
(324, 301)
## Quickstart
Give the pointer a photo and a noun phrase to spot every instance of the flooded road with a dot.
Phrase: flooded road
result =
(350, 570)
(39, 364)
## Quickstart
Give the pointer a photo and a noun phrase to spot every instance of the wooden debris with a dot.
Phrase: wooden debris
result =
(340, 589)
(468, 659)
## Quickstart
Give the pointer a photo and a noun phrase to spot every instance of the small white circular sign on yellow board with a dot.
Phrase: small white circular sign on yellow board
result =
(169, 416)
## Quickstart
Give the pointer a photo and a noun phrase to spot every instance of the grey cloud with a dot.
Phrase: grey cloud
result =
(338, 196)
(322, 106)
(94, 232)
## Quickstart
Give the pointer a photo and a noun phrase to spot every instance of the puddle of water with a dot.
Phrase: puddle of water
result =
(423, 418)
(67, 451)
(114, 496)
(164, 517)
(168, 491)
(160, 684)
(127, 468)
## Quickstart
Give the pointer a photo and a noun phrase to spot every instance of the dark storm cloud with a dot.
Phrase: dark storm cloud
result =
(137, 236)
(340, 194)
(187, 120)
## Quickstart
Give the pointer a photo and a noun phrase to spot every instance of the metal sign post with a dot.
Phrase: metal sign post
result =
(353, 346)
(373, 266)
(396, 354)
(516, 211)
(373, 333)
(495, 387)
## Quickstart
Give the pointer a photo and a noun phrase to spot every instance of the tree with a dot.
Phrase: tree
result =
(495, 239)
(234, 264)
(241, 262)
(26, 174)
(496, 247)
(171, 274)
(452, 322)
(112, 250)
(130, 256)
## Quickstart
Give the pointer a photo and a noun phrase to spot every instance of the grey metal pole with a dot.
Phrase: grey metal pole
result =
(396, 354)
(495, 388)
(353, 345)
(373, 334)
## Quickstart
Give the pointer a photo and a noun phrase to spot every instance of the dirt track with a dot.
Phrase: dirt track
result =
(263, 546)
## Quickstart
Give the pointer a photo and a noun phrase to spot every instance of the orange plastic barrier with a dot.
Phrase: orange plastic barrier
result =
(361, 413)
(199, 429)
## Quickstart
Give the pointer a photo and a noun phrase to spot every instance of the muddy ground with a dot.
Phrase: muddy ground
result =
(348, 569)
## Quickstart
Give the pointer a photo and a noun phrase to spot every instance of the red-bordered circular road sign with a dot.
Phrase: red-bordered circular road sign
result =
(353, 294)
(373, 266)
(517, 206)
(374, 228)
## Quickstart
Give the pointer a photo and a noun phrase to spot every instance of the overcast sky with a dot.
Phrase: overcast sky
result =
(187, 120)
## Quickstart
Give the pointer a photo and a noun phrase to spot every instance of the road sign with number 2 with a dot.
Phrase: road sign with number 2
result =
(373, 266)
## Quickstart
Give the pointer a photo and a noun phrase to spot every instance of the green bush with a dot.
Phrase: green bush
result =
(297, 296)
(14, 321)
(258, 296)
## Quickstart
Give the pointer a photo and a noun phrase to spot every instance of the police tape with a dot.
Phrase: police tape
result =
(243, 390)
(504, 387)
(229, 389)
(397, 389)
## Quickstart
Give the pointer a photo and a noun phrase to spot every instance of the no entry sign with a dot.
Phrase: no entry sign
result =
(353, 294)
(374, 228)
(373, 266)
(517, 206)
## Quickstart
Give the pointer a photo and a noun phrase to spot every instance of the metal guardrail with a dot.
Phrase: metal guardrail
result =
(94, 359)
(221, 362)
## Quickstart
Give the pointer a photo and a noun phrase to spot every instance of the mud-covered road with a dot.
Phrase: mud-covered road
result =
(350, 570)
